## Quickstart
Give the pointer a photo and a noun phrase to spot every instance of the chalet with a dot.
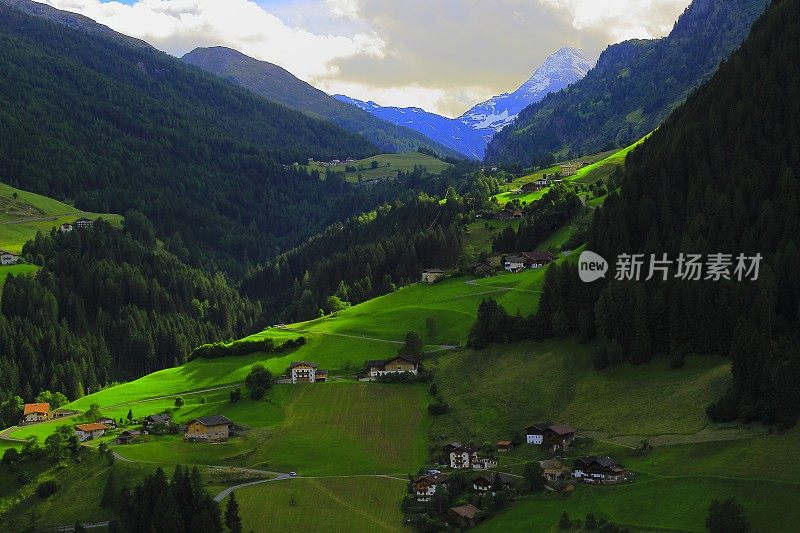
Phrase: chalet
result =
(484, 463)
(432, 275)
(396, 365)
(84, 222)
(517, 213)
(506, 214)
(554, 470)
(558, 437)
(209, 429)
(306, 372)
(463, 516)
(460, 456)
(90, 431)
(593, 469)
(537, 259)
(155, 420)
(63, 413)
(513, 263)
(427, 485)
(7, 258)
(128, 436)
(531, 187)
(35, 412)
(504, 446)
(541, 183)
(491, 482)
(65, 227)
(107, 422)
(534, 434)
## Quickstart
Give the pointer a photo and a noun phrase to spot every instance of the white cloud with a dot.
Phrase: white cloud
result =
(178, 26)
(622, 19)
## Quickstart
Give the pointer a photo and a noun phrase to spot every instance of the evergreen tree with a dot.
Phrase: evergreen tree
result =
(232, 520)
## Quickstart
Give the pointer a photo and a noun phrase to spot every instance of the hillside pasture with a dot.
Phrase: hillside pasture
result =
(388, 165)
(334, 504)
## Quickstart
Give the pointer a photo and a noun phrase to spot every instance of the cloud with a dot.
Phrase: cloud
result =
(178, 26)
(444, 55)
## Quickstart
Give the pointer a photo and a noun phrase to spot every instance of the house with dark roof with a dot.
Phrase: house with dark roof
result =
(534, 434)
(461, 456)
(491, 482)
(215, 428)
(593, 469)
(306, 372)
(35, 412)
(537, 259)
(552, 436)
(513, 263)
(396, 365)
(151, 421)
(110, 422)
(128, 436)
(463, 516)
(427, 485)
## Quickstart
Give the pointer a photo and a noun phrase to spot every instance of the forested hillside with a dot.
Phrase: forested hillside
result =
(722, 175)
(281, 86)
(114, 127)
(634, 87)
(108, 303)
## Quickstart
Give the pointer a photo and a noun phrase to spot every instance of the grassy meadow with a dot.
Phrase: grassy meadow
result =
(388, 165)
(331, 504)
(23, 214)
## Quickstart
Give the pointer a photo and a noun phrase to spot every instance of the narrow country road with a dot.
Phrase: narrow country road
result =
(39, 219)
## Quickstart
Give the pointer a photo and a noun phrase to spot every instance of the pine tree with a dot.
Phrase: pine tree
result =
(232, 519)
(110, 492)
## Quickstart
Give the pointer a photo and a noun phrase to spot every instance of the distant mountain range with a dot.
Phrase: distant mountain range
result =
(634, 87)
(469, 133)
(281, 86)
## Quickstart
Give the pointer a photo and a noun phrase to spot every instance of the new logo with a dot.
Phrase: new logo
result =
(591, 266)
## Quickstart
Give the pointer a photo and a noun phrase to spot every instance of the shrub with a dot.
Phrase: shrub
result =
(725, 409)
(47, 488)
(439, 407)
(242, 347)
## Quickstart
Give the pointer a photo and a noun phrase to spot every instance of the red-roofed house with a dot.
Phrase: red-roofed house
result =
(90, 431)
(35, 412)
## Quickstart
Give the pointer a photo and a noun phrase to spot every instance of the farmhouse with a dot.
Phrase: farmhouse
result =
(209, 429)
(90, 431)
(109, 422)
(491, 482)
(128, 436)
(542, 182)
(513, 263)
(432, 275)
(396, 365)
(504, 446)
(553, 437)
(66, 227)
(569, 169)
(427, 485)
(554, 470)
(306, 372)
(154, 420)
(463, 516)
(484, 463)
(84, 222)
(537, 259)
(35, 412)
(7, 258)
(532, 186)
(506, 214)
(534, 434)
(592, 469)
(460, 456)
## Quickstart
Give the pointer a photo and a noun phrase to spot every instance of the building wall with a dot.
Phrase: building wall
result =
(534, 439)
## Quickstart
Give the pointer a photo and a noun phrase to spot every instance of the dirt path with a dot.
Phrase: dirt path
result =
(39, 219)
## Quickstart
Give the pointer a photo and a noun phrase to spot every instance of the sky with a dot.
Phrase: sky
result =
(441, 55)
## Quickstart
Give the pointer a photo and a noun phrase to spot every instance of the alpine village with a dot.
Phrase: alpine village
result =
(231, 302)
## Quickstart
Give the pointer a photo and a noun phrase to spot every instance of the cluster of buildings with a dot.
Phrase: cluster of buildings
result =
(309, 372)
(519, 262)
(332, 162)
(8, 258)
(81, 223)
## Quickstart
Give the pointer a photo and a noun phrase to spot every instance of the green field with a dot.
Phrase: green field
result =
(332, 504)
(480, 236)
(388, 165)
(23, 215)
(15, 270)
(555, 380)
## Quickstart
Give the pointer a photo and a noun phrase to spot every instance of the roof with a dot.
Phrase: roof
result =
(432, 478)
(538, 256)
(84, 219)
(375, 362)
(467, 511)
(158, 419)
(412, 360)
(104, 419)
(540, 427)
(562, 429)
(31, 408)
(130, 433)
(215, 420)
(94, 426)
(504, 443)
(434, 270)
(606, 462)
(321, 372)
(551, 464)
(298, 363)
(3, 252)
(513, 259)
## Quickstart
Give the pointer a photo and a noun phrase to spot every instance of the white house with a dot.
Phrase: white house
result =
(395, 365)
(90, 431)
(306, 372)
(461, 456)
(534, 434)
(513, 263)
(65, 227)
(7, 258)
(84, 222)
